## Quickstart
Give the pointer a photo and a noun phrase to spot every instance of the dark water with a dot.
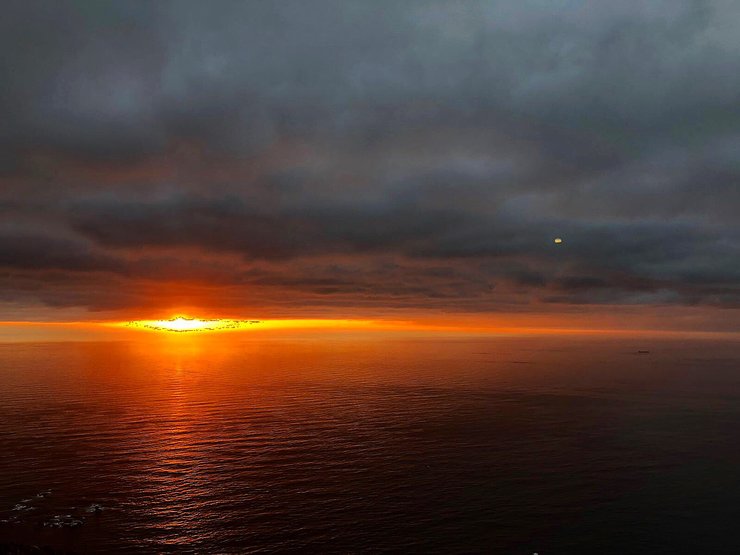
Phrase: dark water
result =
(502, 445)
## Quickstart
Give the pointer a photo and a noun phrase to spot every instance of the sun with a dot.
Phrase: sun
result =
(181, 324)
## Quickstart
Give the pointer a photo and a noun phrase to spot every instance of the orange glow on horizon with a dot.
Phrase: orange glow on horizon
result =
(453, 325)
(180, 324)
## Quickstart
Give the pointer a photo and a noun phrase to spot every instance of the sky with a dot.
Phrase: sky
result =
(372, 159)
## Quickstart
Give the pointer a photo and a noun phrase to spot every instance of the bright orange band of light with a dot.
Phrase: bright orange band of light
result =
(182, 324)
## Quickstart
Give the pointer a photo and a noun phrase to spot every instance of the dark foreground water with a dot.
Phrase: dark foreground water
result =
(502, 445)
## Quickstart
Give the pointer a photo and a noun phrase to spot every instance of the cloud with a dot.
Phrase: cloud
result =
(355, 153)
(35, 251)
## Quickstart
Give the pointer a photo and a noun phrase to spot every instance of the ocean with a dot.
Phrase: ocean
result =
(554, 444)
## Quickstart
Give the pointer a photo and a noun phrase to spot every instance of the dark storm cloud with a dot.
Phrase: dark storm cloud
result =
(34, 251)
(127, 76)
(438, 146)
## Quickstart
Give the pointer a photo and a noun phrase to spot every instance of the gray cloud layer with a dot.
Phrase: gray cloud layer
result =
(357, 153)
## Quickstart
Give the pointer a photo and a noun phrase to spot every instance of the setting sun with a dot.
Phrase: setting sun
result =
(183, 324)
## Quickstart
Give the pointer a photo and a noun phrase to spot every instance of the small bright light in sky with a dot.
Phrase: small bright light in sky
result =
(558, 240)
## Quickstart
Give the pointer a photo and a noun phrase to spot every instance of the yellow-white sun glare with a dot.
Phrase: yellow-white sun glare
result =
(183, 324)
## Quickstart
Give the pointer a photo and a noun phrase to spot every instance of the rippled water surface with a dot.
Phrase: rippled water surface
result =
(498, 445)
